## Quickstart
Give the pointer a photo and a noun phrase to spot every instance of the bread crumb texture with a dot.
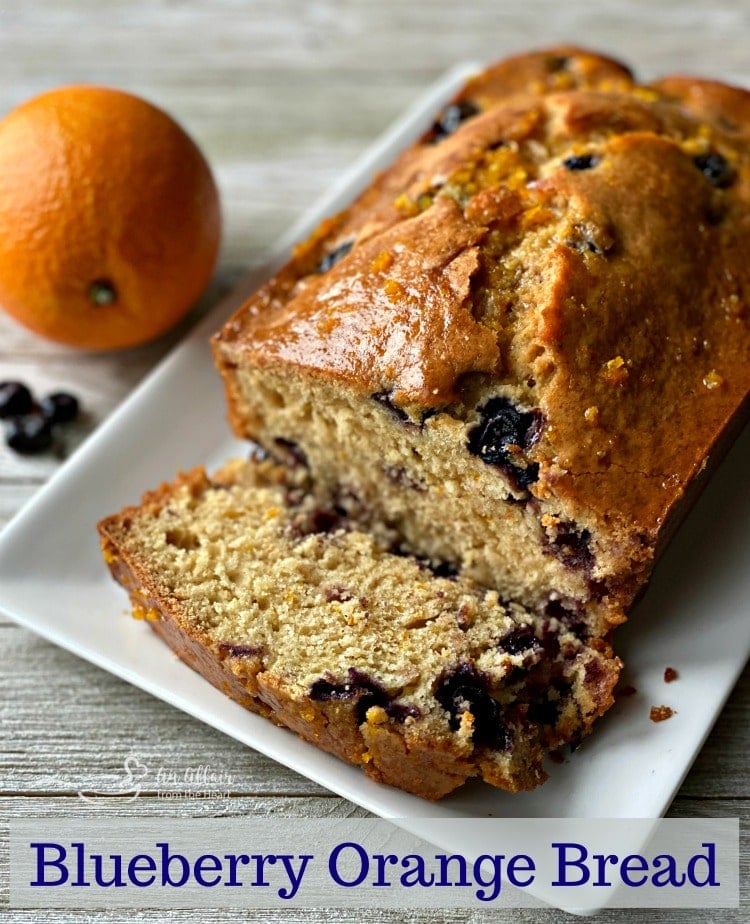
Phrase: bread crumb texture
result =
(345, 636)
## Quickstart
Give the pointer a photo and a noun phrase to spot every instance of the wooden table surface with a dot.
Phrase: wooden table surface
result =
(281, 95)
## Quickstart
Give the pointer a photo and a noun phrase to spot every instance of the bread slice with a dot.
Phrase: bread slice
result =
(527, 343)
(419, 675)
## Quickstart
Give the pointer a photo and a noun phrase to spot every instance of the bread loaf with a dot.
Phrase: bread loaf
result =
(491, 388)
(524, 345)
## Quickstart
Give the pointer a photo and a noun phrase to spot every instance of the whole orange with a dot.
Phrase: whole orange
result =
(109, 218)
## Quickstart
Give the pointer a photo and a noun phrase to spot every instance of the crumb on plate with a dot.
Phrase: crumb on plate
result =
(661, 713)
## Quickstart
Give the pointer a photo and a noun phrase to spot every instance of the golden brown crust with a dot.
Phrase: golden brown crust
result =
(549, 70)
(423, 292)
(624, 321)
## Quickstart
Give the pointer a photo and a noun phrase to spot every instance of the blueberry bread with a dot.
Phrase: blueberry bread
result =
(523, 347)
(422, 677)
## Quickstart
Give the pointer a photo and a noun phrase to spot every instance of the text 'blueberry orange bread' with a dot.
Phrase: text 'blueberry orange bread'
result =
(523, 344)
(423, 679)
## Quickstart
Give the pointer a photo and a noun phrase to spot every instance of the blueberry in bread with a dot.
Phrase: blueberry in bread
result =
(492, 387)
(423, 680)
(525, 344)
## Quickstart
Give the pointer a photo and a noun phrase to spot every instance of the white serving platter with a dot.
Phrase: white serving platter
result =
(694, 617)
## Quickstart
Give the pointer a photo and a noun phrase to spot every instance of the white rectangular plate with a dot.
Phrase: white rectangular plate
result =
(694, 617)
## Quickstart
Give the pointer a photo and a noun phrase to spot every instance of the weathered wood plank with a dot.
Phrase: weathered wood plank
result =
(325, 805)
(366, 916)
(721, 767)
(218, 41)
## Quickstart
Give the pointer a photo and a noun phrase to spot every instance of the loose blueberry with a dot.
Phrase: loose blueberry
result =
(715, 168)
(452, 117)
(29, 434)
(467, 690)
(502, 426)
(580, 162)
(332, 258)
(357, 685)
(523, 477)
(15, 399)
(59, 407)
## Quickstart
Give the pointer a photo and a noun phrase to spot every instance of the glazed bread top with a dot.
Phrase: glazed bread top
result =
(562, 230)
